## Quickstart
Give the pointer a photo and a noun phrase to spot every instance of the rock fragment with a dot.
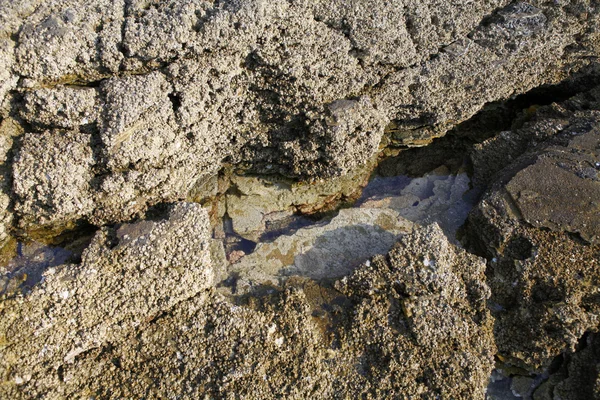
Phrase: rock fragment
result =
(52, 179)
(126, 278)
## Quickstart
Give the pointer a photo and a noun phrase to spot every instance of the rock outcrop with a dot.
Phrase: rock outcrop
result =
(539, 225)
(409, 324)
(161, 94)
(126, 278)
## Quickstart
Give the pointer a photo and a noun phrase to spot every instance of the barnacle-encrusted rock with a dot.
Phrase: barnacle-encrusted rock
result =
(127, 277)
(168, 91)
(409, 324)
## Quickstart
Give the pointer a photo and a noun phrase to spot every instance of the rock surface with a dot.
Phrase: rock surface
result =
(331, 250)
(439, 196)
(258, 202)
(413, 324)
(168, 91)
(126, 278)
(116, 111)
(539, 225)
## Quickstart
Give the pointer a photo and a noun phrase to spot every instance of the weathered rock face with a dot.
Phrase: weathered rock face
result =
(167, 91)
(539, 225)
(426, 300)
(409, 324)
(580, 378)
(257, 202)
(126, 278)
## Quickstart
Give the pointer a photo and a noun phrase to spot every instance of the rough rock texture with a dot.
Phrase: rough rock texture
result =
(331, 250)
(126, 278)
(9, 129)
(257, 201)
(50, 185)
(413, 324)
(582, 377)
(577, 378)
(168, 91)
(422, 310)
(539, 225)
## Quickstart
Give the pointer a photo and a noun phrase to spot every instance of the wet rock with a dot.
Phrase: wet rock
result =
(126, 278)
(26, 268)
(522, 386)
(326, 250)
(440, 196)
(278, 347)
(256, 202)
(538, 225)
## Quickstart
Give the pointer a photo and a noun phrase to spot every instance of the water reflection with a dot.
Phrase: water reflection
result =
(442, 196)
(27, 268)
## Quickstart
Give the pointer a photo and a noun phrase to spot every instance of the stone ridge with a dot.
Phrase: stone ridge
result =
(159, 94)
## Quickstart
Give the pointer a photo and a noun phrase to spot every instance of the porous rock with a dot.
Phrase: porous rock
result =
(305, 89)
(577, 378)
(52, 177)
(410, 328)
(126, 278)
(538, 225)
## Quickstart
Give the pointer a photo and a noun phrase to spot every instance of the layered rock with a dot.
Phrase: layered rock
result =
(168, 91)
(256, 203)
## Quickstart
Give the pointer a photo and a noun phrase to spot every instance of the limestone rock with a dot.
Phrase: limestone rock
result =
(582, 378)
(257, 200)
(577, 378)
(439, 196)
(9, 130)
(70, 41)
(126, 278)
(422, 310)
(61, 107)
(52, 178)
(303, 89)
(288, 344)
